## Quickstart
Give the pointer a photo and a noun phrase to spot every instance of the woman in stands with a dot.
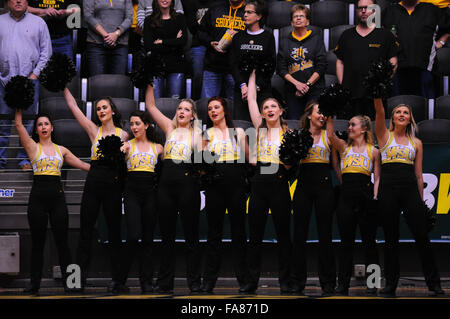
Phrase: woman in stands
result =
(359, 158)
(401, 190)
(142, 155)
(103, 187)
(178, 191)
(301, 61)
(314, 188)
(47, 201)
(226, 192)
(165, 35)
(269, 189)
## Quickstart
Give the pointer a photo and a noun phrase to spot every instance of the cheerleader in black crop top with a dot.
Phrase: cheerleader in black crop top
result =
(269, 190)
(47, 199)
(401, 190)
(142, 155)
(359, 158)
(103, 187)
(178, 192)
(226, 192)
(314, 188)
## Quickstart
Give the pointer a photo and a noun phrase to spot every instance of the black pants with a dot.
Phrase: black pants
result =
(46, 202)
(314, 188)
(103, 188)
(296, 104)
(140, 214)
(228, 193)
(399, 192)
(356, 208)
(179, 193)
(270, 192)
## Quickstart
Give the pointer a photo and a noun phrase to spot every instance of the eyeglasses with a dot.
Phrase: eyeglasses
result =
(249, 11)
(361, 8)
(299, 16)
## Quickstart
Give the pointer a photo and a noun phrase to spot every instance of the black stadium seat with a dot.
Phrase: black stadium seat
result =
(113, 85)
(340, 125)
(167, 105)
(436, 131)
(442, 107)
(331, 63)
(57, 108)
(327, 14)
(74, 87)
(418, 105)
(330, 79)
(293, 124)
(286, 31)
(70, 134)
(279, 14)
(335, 34)
(242, 124)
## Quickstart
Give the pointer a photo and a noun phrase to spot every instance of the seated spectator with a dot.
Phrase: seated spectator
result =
(258, 42)
(301, 61)
(165, 34)
(218, 27)
(107, 36)
(55, 14)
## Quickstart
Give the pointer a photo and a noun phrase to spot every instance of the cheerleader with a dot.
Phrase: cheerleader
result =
(47, 201)
(178, 191)
(226, 192)
(359, 158)
(269, 190)
(401, 190)
(142, 153)
(314, 188)
(103, 187)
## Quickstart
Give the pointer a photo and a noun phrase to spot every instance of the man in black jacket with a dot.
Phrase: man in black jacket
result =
(217, 29)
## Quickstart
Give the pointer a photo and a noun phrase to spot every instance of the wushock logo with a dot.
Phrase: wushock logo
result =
(7, 193)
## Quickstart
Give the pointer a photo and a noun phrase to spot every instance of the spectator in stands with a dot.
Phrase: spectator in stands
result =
(46, 202)
(219, 26)
(414, 24)
(301, 61)
(26, 57)
(107, 37)
(145, 8)
(55, 15)
(165, 34)
(357, 48)
(259, 42)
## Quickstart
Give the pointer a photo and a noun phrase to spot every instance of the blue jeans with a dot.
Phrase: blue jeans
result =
(63, 45)
(173, 83)
(197, 55)
(105, 60)
(212, 84)
(5, 126)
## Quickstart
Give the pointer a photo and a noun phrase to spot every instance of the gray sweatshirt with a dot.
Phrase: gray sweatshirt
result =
(111, 15)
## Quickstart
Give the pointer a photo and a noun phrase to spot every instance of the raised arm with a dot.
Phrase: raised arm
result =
(253, 108)
(376, 171)
(89, 126)
(27, 142)
(161, 120)
(74, 161)
(381, 130)
(336, 142)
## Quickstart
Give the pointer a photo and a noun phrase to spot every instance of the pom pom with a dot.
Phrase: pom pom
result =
(203, 168)
(151, 66)
(265, 67)
(334, 100)
(19, 92)
(262, 63)
(58, 72)
(248, 62)
(378, 81)
(295, 146)
(109, 152)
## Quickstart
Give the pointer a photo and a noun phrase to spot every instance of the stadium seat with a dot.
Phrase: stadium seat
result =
(242, 124)
(293, 124)
(70, 134)
(436, 131)
(167, 106)
(125, 107)
(335, 34)
(286, 31)
(340, 125)
(279, 14)
(278, 84)
(418, 104)
(202, 108)
(331, 63)
(74, 87)
(57, 108)
(113, 85)
(327, 14)
(442, 107)
(442, 67)
(330, 79)
(387, 123)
